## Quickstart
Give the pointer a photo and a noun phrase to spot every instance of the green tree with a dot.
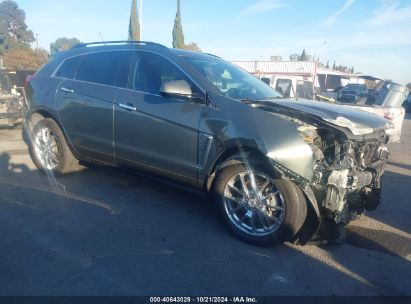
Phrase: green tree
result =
(25, 59)
(304, 56)
(334, 66)
(62, 44)
(14, 32)
(294, 57)
(192, 47)
(328, 64)
(134, 27)
(178, 35)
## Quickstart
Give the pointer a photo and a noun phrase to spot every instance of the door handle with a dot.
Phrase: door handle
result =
(67, 90)
(127, 107)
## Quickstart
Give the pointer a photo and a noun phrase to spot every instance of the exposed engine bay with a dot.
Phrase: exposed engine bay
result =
(348, 173)
(348, 163)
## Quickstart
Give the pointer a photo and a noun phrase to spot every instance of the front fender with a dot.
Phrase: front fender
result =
(237, 125)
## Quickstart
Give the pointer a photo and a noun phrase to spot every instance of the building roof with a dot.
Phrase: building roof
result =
(305, 68)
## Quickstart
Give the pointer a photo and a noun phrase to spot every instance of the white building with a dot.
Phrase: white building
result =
(298, 78)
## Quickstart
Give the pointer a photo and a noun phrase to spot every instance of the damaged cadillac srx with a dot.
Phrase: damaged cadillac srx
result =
(278, 169)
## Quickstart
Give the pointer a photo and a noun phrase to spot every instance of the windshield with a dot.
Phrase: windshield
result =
(232, 81)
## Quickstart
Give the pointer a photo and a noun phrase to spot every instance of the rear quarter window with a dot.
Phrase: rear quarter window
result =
(68, 68)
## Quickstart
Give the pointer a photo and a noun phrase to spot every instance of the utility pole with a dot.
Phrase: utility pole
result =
(37, 41)
(141, 20)
(37, 49)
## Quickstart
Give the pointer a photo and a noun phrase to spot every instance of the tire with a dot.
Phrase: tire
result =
(290, 198)
(66, 161)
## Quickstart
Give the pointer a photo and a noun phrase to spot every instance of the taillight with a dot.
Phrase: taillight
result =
(389, 116)
(27, 80)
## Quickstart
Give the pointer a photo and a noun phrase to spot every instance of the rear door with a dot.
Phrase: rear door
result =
(85, 100)
(155, 132)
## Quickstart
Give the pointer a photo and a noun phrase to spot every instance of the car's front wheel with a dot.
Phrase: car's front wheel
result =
(257, 207)
(49, 150)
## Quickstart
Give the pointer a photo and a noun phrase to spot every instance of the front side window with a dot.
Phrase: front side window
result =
(151, 71)
(107, 68)
(230, 80)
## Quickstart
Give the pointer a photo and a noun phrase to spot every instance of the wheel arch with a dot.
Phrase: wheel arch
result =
(235, 155)
(34, 116)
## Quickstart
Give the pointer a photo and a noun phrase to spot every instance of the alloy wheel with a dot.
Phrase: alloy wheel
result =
(254, 204)
(46, 148)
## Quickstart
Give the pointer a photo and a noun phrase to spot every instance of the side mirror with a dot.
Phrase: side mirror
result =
(180, 89)
(176, 88)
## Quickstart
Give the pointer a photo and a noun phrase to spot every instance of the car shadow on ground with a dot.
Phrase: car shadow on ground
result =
(380, 241)
(403, 166)
(102, 231)
(388, 228)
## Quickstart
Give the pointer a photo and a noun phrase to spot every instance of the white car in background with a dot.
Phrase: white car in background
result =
(387, 104)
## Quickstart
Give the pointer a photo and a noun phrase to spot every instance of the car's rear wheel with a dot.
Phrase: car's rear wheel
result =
(49, 150)
(257, 207)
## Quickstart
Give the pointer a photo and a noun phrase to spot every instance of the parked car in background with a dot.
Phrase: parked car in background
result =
(291, 86)
(5, 81)
(12, 101)
(353, 93)
(11, 110)
(388, 104)
(278, 169)
(407, 104)
(372, 95)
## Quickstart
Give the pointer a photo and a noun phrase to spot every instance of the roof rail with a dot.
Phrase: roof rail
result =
(101, 43)
(209, 54)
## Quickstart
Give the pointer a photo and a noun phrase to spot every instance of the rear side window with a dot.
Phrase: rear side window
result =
(68, 68)
(108, 68)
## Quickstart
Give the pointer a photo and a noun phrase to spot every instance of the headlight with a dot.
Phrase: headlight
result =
(293, 153)
(308, 133)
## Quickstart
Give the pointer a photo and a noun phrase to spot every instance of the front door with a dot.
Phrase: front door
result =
(156, 132)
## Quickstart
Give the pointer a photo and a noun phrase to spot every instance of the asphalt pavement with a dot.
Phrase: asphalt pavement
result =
(102, 231)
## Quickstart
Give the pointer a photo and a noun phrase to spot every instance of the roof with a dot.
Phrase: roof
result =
(325, 71)
(186, 53)
(367, 77)
(83, 48)
(278, 67)
(116, 43)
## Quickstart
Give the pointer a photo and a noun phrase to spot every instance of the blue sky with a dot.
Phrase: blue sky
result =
(374, 36)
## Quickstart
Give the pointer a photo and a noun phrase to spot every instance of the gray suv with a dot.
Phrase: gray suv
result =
(278, 169)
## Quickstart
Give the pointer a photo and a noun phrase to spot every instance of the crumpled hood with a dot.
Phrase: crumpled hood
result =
(359, 122)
